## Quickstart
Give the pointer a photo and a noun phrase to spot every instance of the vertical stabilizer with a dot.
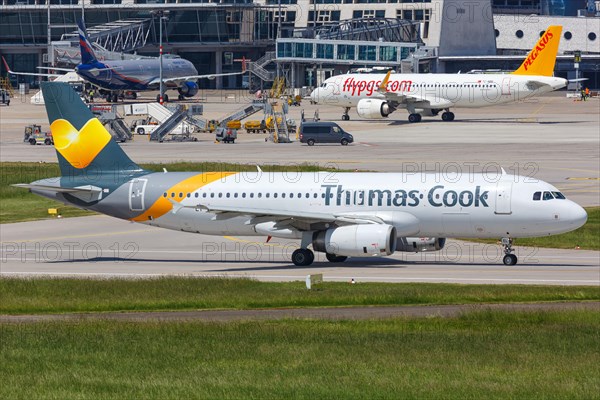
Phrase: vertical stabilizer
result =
(87, 53)
(84, 147)
(541, 59)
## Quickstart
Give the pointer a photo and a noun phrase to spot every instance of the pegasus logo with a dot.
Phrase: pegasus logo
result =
(541, 46)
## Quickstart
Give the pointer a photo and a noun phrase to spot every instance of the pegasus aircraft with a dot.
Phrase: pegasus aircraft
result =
(376, 97)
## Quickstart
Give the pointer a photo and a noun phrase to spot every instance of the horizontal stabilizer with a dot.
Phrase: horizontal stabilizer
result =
(59, 189)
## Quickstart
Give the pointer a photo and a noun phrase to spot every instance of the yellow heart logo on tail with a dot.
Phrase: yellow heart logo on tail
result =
(79, 148)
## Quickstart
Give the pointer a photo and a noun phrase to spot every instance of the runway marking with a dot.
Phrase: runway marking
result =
(302, 277)
(583, 179)
(75, 236)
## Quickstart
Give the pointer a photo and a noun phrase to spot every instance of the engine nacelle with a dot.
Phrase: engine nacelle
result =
(357, 240)
(188, 89)
(418, 245)
(373, 108)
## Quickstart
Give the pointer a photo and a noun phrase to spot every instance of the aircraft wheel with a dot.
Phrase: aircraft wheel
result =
(510, 259)
(115, 98)
(335, 259)
(345, 117)
(448, 116)
(303, 257)
(158, 98)
(166, 98)
(413, 118)
(181, 97)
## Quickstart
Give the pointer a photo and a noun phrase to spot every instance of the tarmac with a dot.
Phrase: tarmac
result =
(551, 138)
(102, 247)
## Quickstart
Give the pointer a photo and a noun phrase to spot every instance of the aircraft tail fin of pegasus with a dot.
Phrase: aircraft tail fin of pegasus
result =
(85, 149)
(541, 59)
(85, 47)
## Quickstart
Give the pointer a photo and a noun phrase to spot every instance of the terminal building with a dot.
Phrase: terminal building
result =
(304, 40)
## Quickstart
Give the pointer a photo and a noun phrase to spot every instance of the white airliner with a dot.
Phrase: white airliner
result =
(376, 96)
(340, 214)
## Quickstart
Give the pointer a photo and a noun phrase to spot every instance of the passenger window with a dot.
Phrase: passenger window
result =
(548, 196)
(537, 196)
(559, 195)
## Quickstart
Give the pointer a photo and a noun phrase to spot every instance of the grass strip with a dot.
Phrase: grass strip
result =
(491, 355)
(61, 295)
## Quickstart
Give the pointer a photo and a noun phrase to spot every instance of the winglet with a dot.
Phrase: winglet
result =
(542, 58)
(384, 82)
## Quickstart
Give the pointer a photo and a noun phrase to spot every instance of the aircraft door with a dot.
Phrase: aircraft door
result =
(503, 197)
(137, 188)
(506, 87)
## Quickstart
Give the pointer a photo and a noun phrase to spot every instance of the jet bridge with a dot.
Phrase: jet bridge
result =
(112, 41)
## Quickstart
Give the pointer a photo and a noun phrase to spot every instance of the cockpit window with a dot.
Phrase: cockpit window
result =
(537, 196)
(559, 195)
(548, 196)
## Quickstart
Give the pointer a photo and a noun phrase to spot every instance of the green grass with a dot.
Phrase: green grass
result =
(487, 355)
(18, 205)
(59, 295)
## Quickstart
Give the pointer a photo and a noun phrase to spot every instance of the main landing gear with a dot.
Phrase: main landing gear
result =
(448, 116)
(509, 257)
(165, 98)
(305, 257)
(345, 116)
(414, 117)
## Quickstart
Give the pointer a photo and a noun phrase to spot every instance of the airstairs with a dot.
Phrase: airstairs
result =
(280, 133)
(258, 67)
(170, 124)
(256, 106)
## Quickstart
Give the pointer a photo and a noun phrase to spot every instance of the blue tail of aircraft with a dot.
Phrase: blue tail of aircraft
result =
(87, 53)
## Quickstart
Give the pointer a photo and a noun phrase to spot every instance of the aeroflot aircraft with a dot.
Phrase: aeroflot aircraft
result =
(429, 94)
(343, 215)
(119, 76)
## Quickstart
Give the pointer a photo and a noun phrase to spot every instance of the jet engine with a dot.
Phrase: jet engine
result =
(357, 240)
(418, 245)
(188, 89)
(373, 108)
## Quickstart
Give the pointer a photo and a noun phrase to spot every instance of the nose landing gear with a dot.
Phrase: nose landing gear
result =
(509, 257)
(345, 116)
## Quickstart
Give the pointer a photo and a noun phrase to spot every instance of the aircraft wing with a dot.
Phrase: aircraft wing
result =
(26, 73)
(399, 100)
(291, 215)
(181, 79)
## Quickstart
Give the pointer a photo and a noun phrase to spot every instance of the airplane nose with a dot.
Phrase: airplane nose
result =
(577, 215)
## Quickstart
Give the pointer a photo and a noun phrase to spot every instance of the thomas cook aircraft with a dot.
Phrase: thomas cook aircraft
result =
(342, 214)
(429, 94)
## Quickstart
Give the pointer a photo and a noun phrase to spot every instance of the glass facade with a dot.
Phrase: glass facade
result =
(388, 53)
(325, 51)
(345, 51)
(367, 53)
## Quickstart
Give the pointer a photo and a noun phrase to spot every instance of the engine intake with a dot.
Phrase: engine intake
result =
(373, 108)
(188, 89)
(418, 245)
(357, 240)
